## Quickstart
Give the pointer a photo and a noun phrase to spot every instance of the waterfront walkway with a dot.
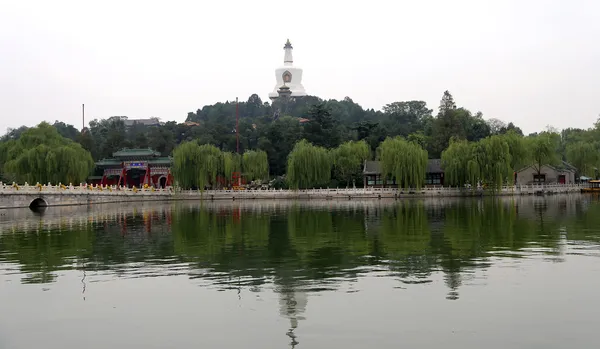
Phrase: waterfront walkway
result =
(12, 196)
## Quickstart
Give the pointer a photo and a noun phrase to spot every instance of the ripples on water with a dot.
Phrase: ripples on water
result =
(292, 248)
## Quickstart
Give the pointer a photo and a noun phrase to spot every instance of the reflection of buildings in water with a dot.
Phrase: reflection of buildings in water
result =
(291, 305)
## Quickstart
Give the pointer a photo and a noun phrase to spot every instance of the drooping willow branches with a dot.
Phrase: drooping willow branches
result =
(494, 159)
(403, 160)
(349, 158)
(201, 166)
(459, 165)
(488, 161)
(255, 164)
(308, 166)
(42, 155)
(196, 165)
(232, 162)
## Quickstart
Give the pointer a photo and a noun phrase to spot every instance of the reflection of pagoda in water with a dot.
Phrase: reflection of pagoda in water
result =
(291, 305)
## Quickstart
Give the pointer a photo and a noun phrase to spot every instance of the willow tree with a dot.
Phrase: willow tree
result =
(308, 166)
(42, 155)
(460, 166)
(196, 165)
(255, 164)
(406, 161)
(519, 150)
(232, 162)
(544, 150)
(584, 156)
(495, 162)
(348, 159)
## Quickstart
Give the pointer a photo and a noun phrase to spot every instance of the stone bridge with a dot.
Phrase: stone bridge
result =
(13, 196)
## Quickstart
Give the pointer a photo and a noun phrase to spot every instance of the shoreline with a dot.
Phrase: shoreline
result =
(76, 196)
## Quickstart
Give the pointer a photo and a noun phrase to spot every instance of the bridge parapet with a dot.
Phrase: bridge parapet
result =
(78, 189)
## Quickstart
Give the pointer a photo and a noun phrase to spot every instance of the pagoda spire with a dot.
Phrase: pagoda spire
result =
(288, 59)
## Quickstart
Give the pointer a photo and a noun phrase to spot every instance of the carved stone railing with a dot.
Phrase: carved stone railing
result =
(120, 190)
(78, 189)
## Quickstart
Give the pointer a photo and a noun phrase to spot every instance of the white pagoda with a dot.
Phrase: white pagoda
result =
(288, 75)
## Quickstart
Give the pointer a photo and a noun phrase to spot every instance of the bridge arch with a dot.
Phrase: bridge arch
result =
(37, 203)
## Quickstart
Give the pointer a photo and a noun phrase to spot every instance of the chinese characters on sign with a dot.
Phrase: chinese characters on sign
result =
(130, 165)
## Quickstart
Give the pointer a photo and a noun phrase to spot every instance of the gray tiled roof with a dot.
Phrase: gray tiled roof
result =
(135, 152)
(147, 122)
(434, 166)
(374, 167)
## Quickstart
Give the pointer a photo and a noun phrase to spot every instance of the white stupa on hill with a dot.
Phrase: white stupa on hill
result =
(288, 75)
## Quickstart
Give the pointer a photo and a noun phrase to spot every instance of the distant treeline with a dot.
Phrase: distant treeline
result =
(328, 124)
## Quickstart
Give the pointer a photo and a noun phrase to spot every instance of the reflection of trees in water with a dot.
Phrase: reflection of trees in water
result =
(300, 248)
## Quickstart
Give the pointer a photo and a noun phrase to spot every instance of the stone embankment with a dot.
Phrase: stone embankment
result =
(12, 196)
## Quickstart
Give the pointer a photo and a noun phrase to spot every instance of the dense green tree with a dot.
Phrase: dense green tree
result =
(404, 118)
(493, 158)
(585, 157)
(520, 153)
(278, 139)
(13, 133)
(460, 166)
(451, 122)
(405, 161)
(256, 165)
(322, 130)
(65, 130)
(308, 166)
(232, 162)
(348, 159)
(42, 155)
(544, 150)
(196, 166)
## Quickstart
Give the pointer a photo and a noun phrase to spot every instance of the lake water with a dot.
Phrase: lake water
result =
(518, 272)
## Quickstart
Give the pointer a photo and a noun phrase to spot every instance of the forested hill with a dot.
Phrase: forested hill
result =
(332, 122)
(329, 123)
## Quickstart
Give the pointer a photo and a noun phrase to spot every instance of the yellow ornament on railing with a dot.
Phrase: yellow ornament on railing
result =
(135, 189)
(39, 186)
(15, 185)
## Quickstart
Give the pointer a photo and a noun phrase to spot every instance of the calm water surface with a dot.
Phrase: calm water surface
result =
(494, 273)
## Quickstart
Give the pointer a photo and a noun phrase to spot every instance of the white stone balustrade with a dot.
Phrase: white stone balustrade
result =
(61, 195)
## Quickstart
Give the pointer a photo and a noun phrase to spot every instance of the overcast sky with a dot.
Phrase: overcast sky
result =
(534, 62)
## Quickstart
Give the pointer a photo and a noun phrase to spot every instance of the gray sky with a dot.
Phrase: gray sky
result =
(534, 62)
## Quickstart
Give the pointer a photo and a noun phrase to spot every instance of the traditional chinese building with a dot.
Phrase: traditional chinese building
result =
(434, 175)
(134, 167)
